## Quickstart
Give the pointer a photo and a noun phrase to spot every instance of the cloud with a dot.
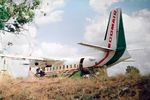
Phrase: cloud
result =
(52, 10)
(49, 11)
(22, 43)
(102, 6)
(95, 30)
(53, 50)
(136, 28)
(25, 45)
(25, 42)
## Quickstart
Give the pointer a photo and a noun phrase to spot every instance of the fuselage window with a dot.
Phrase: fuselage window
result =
(46, 69)
(60, 67)
(74, 65)
(56, 67)
(53, 68)
(67, 66)
(63, 66)
(70, 66)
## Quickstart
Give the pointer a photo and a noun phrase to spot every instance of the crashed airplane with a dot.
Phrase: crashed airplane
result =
(113, 48)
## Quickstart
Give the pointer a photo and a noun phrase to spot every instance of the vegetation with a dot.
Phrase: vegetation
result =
(13, 16)
(118, 87)
(132, 71)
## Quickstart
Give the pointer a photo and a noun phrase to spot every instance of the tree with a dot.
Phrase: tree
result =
(132, 71)
(13, 16)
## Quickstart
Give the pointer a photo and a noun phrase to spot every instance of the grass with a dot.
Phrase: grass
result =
(111, 88)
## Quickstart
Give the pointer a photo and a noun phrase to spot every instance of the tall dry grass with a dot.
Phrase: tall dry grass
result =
(74, 88)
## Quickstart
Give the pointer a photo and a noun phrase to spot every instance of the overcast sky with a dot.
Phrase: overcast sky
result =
(68, 22)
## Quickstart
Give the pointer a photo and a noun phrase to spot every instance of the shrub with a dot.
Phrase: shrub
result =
(132, 71)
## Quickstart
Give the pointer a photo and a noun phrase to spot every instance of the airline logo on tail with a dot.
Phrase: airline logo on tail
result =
(112, 28)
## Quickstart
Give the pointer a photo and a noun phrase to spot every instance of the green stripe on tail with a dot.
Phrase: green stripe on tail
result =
(121, 43)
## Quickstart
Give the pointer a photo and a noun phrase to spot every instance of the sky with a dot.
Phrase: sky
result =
(68, 22)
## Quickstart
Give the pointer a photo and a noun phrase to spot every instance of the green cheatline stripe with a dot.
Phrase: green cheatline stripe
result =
(121, 43)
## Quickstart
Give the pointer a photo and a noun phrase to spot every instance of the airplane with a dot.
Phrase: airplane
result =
(113, 49)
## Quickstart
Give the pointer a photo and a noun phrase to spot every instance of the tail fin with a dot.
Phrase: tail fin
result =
(115, 43)
(114, 37)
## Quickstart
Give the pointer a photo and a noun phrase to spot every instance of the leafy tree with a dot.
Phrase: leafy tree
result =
(13, 16)
(132, 71)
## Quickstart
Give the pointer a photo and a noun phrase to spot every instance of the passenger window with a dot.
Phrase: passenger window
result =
(70, 66)
(45, 69)
(67, 66)
(63, 66)
(74, 65)
(56, 68)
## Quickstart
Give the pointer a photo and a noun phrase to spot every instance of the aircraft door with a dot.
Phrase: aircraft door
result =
(81, 64)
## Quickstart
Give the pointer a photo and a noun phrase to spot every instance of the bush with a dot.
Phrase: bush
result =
(132, 71)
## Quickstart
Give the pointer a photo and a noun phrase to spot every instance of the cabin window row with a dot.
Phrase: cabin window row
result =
(62, 67)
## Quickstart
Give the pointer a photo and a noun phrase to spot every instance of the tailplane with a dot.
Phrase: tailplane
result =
(102, 48)
(114, 39)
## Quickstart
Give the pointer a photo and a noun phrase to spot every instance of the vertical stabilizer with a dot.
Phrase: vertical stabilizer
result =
(115, 37)
(115, 44)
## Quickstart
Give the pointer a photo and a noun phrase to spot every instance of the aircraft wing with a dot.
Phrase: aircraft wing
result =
(21, 57)
(53, 61)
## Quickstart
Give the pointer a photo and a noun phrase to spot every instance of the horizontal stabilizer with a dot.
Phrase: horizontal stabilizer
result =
(129, 60)
(97, 47)
(136, 49)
